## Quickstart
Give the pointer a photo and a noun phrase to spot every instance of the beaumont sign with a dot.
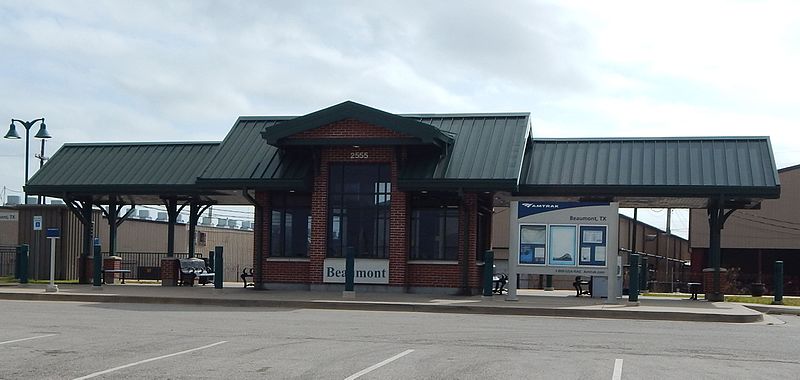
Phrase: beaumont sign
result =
(368, 271)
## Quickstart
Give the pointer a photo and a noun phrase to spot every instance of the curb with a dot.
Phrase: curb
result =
(404, 307)
(767, 309)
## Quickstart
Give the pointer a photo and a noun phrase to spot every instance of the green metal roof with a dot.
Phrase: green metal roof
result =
(486, 154)
(131, 168)
(421, 132)
(244, 159)
(657, 167)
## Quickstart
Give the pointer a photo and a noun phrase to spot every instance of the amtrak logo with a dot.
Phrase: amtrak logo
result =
(540, 205)
(531, 208)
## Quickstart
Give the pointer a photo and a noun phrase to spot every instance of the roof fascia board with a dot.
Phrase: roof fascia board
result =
(650, 191)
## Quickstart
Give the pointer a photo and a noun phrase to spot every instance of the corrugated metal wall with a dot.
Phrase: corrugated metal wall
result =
(775, 226)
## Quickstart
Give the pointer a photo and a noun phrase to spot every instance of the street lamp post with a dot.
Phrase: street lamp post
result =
(42, 134)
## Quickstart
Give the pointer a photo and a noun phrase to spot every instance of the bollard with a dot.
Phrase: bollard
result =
(778, 284)
(488, 272)
(633, 280)
(548, 282)
(23, 264)
(644, 273)
(350, 270)
(218, 267)
(97, 263)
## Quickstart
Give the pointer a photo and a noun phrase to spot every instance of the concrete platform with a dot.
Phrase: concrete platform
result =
(530, 303)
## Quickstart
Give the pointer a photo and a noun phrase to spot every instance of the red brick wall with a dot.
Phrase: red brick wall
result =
(438, 275)
(348, 129)
(319, 211)
(287, 271)
(400, 273)
(435, 275)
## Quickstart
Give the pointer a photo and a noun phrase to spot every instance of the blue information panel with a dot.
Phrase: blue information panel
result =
(53, 233)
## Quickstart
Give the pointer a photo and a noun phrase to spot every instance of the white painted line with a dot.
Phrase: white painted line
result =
(617, 370)
(376, 366)
(24, 339)
(89, 376)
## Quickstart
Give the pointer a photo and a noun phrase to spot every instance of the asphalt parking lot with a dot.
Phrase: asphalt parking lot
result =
(71, 340)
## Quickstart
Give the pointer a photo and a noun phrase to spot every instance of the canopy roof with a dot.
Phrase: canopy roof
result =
(738, 170)
(446, 152)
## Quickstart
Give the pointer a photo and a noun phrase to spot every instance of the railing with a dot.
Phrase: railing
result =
(8, 260)
(144, 265)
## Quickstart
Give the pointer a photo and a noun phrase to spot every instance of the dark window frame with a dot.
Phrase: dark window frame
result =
(372, 204)
(448, 208)
(283, 204)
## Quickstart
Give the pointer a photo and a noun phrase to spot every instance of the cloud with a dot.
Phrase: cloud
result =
(184, 70)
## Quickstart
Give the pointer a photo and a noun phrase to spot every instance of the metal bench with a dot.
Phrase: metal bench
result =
(122, 272)
(247, 273)
(194, 268)
(694, 288)
(499, 282)
(579, 284)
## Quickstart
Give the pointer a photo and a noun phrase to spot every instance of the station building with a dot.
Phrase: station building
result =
(412, 195)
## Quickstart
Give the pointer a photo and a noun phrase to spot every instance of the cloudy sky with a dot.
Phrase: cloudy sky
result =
(174, 70)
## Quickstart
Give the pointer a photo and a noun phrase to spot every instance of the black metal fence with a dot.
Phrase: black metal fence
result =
(8, 260)
(144, 265)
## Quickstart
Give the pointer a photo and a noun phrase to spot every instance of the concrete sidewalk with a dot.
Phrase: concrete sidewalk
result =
(530, 303)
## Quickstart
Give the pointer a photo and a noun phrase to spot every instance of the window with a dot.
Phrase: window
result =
(434, 233)
(291, 225)
(358, 202)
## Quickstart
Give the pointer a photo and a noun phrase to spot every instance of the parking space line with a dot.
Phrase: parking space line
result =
(24, 339)
(376, 366)
(617, 370)
(89, 376)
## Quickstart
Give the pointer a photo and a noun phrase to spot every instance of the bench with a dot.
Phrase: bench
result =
(499, 282)
(694, 288)
(123, 272)
(579, 284)
(247, 273)
(191, 269)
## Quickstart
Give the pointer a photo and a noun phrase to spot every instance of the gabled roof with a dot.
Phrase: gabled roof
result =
(418, 131)
(166, 167)
(704, 167)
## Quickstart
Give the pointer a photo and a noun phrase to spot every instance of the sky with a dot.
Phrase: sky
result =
(185, 70)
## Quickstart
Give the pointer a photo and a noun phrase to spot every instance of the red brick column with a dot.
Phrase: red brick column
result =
(111, 262)
(319, 224)
(398, 237)
(265, 228)
(169, 271)
(468, 213)
(708, 280)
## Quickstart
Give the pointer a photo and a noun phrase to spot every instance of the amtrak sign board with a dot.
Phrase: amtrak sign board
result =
(368, 271)
(566, 238)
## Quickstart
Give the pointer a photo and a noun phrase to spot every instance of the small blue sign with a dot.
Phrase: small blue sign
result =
(97, 241)
(54, 233)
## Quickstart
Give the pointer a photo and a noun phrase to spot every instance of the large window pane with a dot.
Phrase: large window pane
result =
(291, 225)
(434, 234)
(359, 200)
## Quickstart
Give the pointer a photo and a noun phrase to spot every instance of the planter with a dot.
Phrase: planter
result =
(757, 289)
